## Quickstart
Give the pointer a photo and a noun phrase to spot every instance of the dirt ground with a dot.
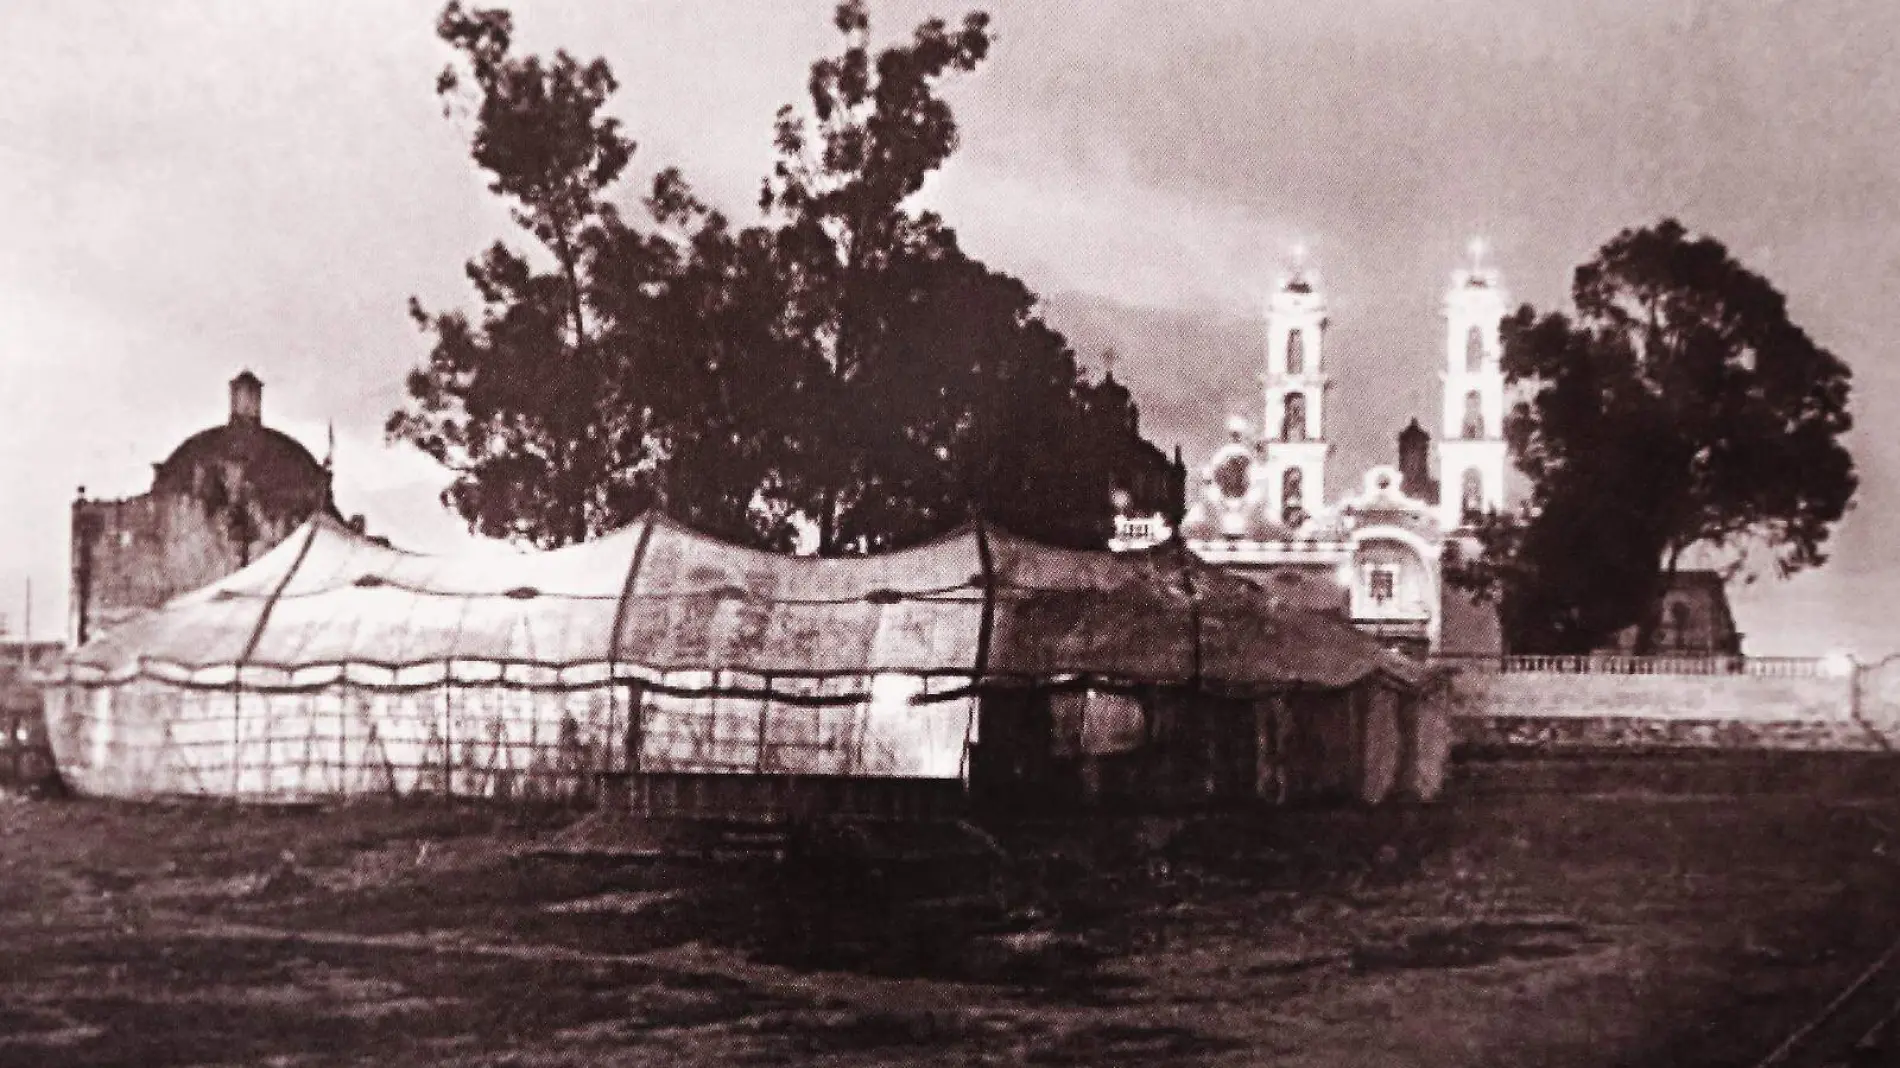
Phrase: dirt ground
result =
(1536, 917)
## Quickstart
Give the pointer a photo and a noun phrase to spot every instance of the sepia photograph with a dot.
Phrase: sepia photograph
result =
(949, 532)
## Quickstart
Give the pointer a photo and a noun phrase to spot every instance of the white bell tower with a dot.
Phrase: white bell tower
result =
(1295, 417)
(1471, 452)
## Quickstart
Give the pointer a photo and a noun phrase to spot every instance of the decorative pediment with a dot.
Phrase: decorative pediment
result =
(1381, 500)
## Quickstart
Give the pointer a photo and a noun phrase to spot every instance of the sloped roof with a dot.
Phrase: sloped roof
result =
(656, 601)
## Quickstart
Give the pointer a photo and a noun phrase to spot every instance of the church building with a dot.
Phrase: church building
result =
(225, 495)
(1375, 555)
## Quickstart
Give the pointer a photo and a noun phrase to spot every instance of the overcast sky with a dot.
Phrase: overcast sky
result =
(187, 189)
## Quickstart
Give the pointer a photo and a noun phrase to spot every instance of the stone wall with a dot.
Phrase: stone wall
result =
(1733, 697)
(1629, 704)
(136, 554)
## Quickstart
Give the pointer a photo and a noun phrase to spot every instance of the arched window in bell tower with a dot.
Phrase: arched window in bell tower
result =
(1473, 494)
(1293, 423)
(1474, 350)
(1474, 416)
(1296, 352)
(1292, 497)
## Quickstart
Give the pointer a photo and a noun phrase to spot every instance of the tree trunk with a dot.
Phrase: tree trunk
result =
(570, 267)
(828, 523)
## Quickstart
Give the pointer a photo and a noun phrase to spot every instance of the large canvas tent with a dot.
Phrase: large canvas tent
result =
(335, 665)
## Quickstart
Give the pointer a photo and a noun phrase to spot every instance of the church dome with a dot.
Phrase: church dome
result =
(278, 473)
(274, 464)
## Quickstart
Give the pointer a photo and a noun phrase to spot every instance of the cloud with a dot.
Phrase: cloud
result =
(1101, 230)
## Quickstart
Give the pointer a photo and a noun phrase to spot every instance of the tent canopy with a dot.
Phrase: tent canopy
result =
(655, 601)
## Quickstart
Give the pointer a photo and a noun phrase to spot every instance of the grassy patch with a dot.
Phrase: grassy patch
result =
(1549, 927)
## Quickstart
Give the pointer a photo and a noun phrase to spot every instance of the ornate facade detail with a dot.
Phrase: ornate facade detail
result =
(1374, 555)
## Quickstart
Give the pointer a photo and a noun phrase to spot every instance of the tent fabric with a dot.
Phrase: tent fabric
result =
(1423, 778)
(693, 603)
(337, 665)
(1382, 744)
(659, 604)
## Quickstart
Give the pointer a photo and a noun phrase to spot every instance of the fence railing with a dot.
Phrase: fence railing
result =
(1143, 530)
(1780, 667)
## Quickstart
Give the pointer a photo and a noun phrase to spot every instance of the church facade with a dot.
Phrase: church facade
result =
(1375, 555)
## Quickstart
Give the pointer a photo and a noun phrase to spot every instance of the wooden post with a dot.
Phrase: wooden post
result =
(1210, 743)
(1263, 754)
(636, 726)
(1407, 710)
(1088, 769)
(1361, 704)
(758, 757)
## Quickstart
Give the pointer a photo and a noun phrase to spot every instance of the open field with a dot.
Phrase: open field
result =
(1538, 917)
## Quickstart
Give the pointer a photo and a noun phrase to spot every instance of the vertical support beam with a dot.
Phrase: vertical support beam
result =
(343, 737)
(636, 725)
(448, 733)
(969, 738)
(613, 644)
(268, 771)
(1411, 725)
(1264, 757)
(84, 527)
(765, 709)
(237, 735)
(979, 674)
(1209, 715)
(1359, 703)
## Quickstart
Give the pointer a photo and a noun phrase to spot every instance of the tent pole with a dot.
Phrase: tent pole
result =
(985, 634)
(237, 735)
(636, 727)
(636, 739)
(448, 734)
(969, 729)
(342, 734)
(758, 753)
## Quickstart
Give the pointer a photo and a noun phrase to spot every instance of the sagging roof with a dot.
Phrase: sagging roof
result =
(655, 600)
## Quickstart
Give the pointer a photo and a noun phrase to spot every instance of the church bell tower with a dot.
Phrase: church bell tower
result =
(1471, 452)
(1295, 381)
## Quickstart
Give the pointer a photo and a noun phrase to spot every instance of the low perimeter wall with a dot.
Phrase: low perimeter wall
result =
(1525, 704)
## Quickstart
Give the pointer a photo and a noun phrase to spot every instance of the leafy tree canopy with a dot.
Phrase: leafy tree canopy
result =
(1677, 406)
(841, 366)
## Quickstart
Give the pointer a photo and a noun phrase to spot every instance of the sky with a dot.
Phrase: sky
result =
(189, 189)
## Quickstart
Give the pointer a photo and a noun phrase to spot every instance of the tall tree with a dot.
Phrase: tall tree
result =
(1677, 406)
(940, 393)
(842, 366)
(522, 404)
(725, 372)
(861, 268)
